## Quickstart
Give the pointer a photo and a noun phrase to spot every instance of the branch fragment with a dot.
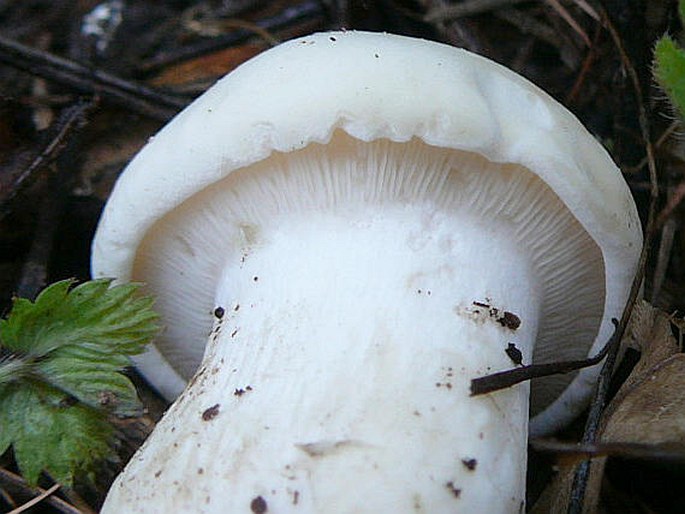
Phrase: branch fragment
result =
(511, 377)
(111, 88)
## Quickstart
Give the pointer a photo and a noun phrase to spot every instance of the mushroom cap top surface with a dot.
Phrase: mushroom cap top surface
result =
(378, 86)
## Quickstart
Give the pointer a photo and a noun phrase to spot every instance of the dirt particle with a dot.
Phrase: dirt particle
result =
(376, 56)
(514, 354)
(240, 391)
(509, 320)
(255, 278)
(258, 505)
(234, 333)
(456, 492)
(481, 304)
(470, 464)
(296, 497)
(210, 413)
(332, 38)
(200, 471)
(158, 473)
(219, 312)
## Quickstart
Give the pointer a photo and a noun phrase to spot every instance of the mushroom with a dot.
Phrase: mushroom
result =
(362, 223)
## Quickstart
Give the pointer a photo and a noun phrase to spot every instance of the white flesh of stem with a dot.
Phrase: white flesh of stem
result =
(338, 379)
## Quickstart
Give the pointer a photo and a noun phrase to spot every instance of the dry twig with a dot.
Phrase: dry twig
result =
(136, 97)
(307, 10)
(467, 8)
(599, 401)
(35, 501)
(11, 481)
(13, 182)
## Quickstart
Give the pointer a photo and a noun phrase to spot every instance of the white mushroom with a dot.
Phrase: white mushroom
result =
(363, 223)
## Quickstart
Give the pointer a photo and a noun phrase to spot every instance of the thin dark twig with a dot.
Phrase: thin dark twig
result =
(510, 377)
(641, 451)
(599, 401)
(35, 501)
(34, 272)
(303, 11)
(69, 121)
(467, 8)
(672, 204)
(113, 89)
(11, 481)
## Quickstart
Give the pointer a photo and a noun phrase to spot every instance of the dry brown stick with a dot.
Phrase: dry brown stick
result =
(467, 8)
(12, 481)
(110, 88)
(570, 20)
(35, 501)
(673, 202)
(590, 434)
(54, 192)
(663, 258)
(588, 61)
(13, 182)
(299, 12)
(510, 377)
(658, 452)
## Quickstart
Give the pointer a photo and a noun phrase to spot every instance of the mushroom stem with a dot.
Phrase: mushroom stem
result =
(336, 378)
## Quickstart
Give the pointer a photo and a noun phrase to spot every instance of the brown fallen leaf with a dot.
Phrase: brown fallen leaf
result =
(646, 418)
(207, 68)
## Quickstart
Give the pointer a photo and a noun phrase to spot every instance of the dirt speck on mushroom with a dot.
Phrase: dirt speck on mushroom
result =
(453, 489)
(258, 505)
(469, 464)
(240, 391)
(514, 354)
(210, 413)
(509, 320)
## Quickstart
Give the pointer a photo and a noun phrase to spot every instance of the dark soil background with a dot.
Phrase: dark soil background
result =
(84, 83)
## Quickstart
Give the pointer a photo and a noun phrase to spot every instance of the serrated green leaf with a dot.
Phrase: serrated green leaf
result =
(669, 70)
(51, 432)
(63, 376)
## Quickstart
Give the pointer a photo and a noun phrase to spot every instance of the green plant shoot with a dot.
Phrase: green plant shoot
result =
(60, 374)
(669, 67)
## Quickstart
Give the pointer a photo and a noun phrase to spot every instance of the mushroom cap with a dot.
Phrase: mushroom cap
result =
(376, 86)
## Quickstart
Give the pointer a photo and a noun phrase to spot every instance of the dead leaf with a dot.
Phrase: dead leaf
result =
(206, 68)
(648, 409)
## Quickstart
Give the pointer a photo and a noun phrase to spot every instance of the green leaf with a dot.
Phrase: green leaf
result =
(51, 432)
(669, 70)
(63, 377)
